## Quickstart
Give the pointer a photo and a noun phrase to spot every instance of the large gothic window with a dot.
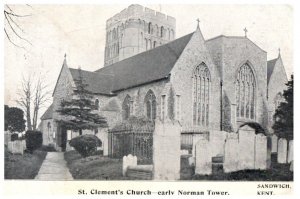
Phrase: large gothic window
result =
(201, 92)
(150, 105)
(127, 107)
(245, 93)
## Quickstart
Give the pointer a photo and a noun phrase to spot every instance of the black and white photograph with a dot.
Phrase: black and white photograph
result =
(149, 92)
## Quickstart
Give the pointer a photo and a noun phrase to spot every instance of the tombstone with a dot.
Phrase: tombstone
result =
(24, 144)
(191, 161)
(128, 161)
(203, 156)
(166, 150)
(217, 140)
(291, 151)
(196, 138)
(10, 146)
(282, 151)
(246, 148)
(274, 143)
(260, 152)
(18, 147)
(231, 159)
(7, 137)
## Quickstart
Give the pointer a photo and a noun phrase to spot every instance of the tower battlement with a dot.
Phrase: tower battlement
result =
(136, 11)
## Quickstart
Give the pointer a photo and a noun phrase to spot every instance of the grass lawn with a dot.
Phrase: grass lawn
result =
(94, 167)
(24, 166)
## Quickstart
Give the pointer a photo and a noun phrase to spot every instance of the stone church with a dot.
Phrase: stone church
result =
(208, 84)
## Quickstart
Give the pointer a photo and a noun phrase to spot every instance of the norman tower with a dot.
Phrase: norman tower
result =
(134, 30)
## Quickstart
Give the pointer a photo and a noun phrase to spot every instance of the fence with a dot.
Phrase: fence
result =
(124, 142)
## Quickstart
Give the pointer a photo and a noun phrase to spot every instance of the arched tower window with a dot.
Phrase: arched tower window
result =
(201, 92)
(162, 31)
(127, 107)
(97, 104)
(150, 28)
(245, 93)
(150, 105)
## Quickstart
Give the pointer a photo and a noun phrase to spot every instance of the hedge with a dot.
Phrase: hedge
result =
(34, 140)
(86, 145)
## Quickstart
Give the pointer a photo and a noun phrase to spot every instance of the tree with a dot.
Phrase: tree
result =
(12, 28)
(14, 119)
(78, 111)
(284, 114)
(32, 92)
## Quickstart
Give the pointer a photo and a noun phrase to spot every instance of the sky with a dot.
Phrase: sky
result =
(79, 32)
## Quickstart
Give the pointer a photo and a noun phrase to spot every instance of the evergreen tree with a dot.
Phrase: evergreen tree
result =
(14, 119)
(78, 111)
(284, 114)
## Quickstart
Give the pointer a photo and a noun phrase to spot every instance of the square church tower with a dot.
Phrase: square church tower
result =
(135, 30)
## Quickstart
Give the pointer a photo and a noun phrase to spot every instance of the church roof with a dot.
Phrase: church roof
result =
(270, 68)
(143, 68)
(48, 113)
(97, 83)
(146, 67)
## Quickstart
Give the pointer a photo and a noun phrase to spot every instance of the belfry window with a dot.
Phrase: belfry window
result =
(245, 90)
(201, 92)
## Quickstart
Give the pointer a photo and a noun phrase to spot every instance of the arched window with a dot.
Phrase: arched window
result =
(245, 90)
(150, 28)
(150, 105)
(201, 92)
(49, 129)
(127, 107)
(97, 104)
(162, 31)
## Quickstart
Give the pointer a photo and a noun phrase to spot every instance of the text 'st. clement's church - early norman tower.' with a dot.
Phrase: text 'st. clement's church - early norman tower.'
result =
(135, 30)
(216, 84)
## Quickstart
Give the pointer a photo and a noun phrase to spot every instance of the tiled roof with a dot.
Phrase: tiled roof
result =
(270, 68)
(48, 113)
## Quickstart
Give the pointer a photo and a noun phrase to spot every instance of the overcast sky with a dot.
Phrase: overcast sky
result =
(79, 31)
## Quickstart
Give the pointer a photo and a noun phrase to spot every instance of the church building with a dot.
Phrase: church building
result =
(206, 84)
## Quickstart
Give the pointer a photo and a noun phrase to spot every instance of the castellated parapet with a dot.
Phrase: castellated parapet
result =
(135, 30)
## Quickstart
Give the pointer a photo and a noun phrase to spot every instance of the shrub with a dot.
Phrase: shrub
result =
(14, 137)
(34, 140)
(86, 145)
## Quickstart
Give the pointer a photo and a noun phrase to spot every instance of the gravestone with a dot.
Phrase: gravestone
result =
(291, 151)
(231, 153)
(128, 161)
(18, 147)
(260, 152)
(282, 151)
(10, 146)
(274, 143)
(191, 161)
(166, 150)
(196, 138)
(217, 141)
(246, 147)
(203, 156)
(24, 144)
